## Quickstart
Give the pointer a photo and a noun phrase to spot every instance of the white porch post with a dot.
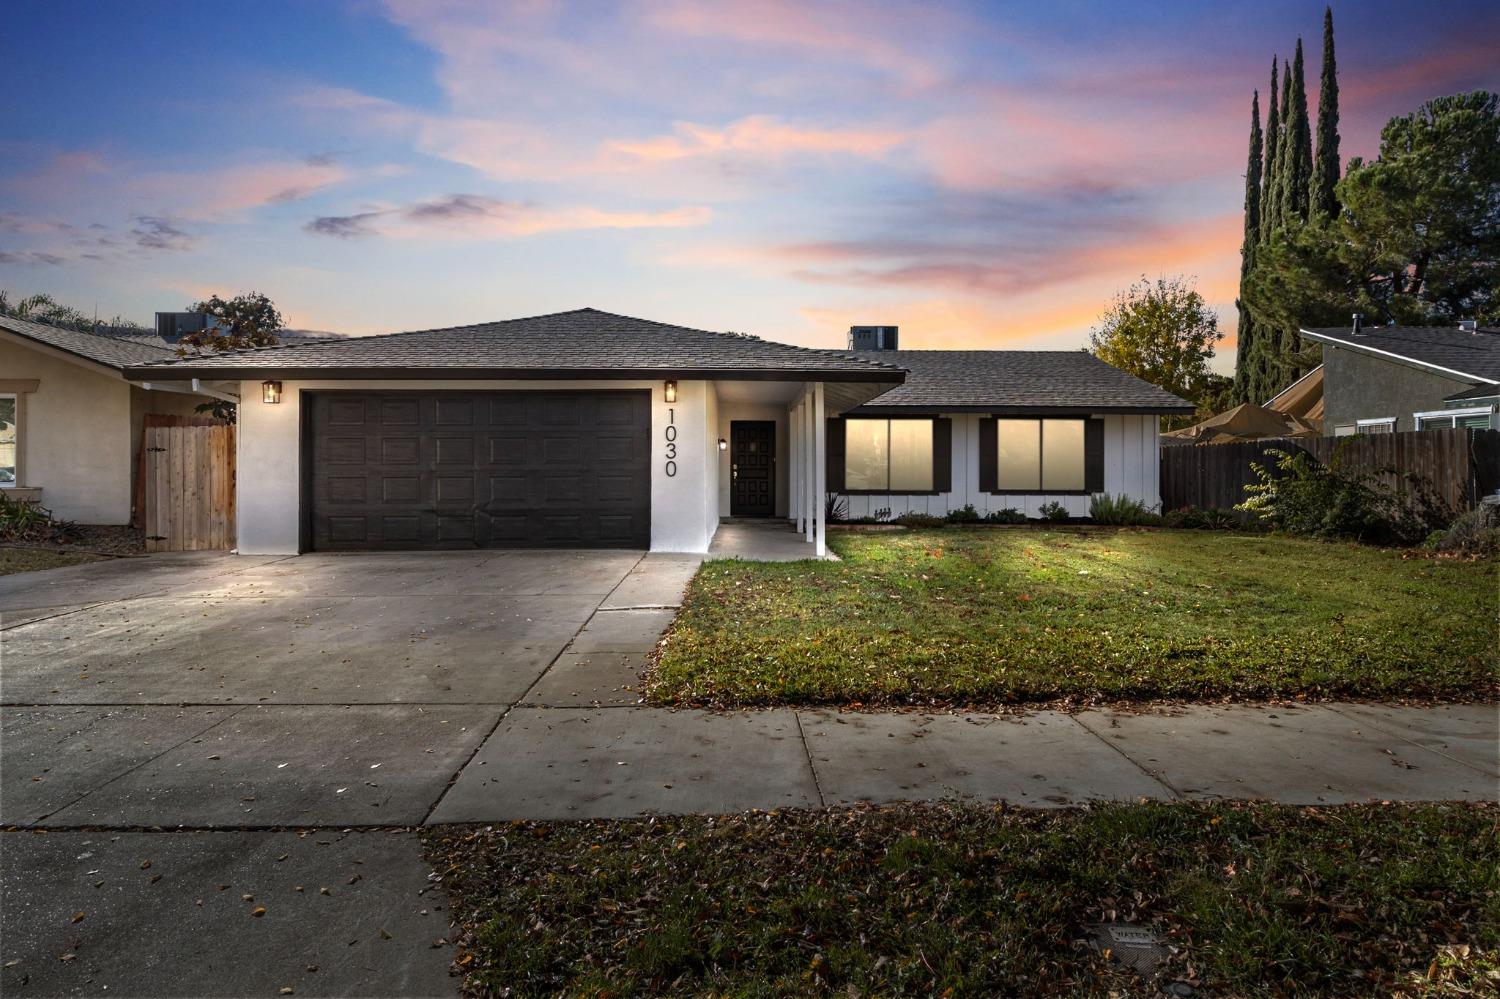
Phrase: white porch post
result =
(820, 470)
(794, 468)
(809, 473)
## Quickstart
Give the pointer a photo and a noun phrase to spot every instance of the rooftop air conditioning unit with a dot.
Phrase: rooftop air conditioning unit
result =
(173, 326)
(873, 337)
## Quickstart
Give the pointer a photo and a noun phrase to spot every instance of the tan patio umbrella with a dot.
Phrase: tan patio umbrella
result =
(1246, 422)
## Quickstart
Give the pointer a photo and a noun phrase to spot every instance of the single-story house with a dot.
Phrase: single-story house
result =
(1381, 379)
(70, 422)
(588, 429)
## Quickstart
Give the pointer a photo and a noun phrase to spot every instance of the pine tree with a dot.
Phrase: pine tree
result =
(1246, 331)
(1326, 166)
(1268, 173)
(1296, 151)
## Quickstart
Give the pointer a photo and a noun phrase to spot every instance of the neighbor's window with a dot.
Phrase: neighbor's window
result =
(8, 440)
(1477, 416)
(1385, 425)
(888, 455)
(1040, 456)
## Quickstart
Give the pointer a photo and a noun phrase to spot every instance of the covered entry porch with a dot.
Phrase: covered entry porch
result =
(791, 419)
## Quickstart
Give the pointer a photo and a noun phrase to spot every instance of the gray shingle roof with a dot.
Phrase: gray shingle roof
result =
(113, 351)
(584, 340)
(1465, 355)
(1017, 381)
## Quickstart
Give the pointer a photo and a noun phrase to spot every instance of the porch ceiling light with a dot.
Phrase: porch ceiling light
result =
(671, 390)
(270, 392)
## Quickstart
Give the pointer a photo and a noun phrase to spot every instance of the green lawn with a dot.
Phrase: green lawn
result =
(31, 559)
(1005, 616)
(968, 901)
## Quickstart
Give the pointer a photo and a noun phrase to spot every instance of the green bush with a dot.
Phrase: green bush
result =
(24, 520)
(1194, 518)
(1304, 497)
(967, 515)
(1054, 512)
(1121, 510)
(835, 509)
(1473, 534)
(1010, 515)
(920, 520)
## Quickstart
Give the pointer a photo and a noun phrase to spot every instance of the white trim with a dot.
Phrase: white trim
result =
(1366, 348)
(1454, 414)
(15, 481)
(820, 470)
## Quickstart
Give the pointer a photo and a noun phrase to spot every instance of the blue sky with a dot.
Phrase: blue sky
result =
(982, 174)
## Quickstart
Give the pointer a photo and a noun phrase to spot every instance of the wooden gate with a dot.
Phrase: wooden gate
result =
(187, 483)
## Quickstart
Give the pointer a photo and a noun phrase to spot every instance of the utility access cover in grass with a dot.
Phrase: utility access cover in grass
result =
(1000, 616)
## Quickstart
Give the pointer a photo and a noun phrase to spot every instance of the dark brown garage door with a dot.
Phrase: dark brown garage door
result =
(392, 470)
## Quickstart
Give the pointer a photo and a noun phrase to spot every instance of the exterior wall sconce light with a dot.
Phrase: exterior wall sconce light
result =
(671, 390)
(723, 444)
(270, 392)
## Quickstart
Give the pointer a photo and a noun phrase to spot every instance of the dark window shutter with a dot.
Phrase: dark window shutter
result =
(989, 443)
(942, 456)
(1093, 456)
(834, 451)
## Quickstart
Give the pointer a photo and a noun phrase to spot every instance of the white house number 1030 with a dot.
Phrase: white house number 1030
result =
(671, 435)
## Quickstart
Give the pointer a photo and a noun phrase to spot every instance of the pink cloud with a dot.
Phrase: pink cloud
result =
(759, 136)
(476, 217)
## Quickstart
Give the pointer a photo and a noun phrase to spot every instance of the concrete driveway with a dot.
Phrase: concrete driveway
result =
(165, 720)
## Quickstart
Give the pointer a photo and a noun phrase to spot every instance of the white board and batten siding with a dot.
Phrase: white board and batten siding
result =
(1131, 466)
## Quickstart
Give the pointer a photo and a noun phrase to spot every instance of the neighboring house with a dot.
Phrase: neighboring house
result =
(1380, 379)
(587, 429)
(70, 423)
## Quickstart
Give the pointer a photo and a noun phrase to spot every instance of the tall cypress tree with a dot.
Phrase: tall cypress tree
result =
(1326, 164)
(1246, 333)
(1296, 151)
(1268, 174)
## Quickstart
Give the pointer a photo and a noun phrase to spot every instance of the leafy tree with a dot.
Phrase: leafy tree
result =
(1323, 199)
(1417, 239)
(1294, 179)
(1268, 174)
(248, 320)
(1163, 332)
(1245, 336)
(43, 308)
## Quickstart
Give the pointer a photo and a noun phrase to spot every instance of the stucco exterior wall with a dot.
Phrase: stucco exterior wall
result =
(1360, 387)
(1132, 465)
(683, 517)
(75, 435)
(770, 412)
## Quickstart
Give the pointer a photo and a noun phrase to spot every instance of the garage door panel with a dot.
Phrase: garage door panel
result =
(575, 469)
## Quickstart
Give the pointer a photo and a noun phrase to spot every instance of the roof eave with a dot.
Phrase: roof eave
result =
(891, 376)
(926, 409)
(63, 353)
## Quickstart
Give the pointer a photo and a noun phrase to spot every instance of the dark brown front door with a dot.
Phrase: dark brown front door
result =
(752, 455)
(445, 469)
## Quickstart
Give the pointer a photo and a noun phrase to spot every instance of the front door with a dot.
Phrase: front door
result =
(752, 468)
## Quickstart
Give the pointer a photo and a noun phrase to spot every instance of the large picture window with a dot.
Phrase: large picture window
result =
(888, 456)
(1040, 456)
(9, 440)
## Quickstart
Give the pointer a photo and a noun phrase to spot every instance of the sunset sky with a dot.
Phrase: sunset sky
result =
(984, 175)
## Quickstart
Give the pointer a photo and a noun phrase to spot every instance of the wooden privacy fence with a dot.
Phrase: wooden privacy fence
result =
(186, 483)
(1459, 465)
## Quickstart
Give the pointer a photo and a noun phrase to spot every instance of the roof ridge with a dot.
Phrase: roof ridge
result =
(276, 347)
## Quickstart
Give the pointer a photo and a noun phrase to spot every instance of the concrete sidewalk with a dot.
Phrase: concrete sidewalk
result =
(613, 762)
